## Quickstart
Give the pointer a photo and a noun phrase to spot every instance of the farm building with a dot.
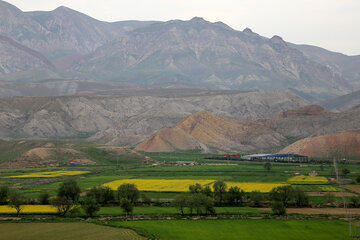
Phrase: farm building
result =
(277, 157)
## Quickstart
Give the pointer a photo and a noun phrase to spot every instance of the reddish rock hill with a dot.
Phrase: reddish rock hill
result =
(311, 110)
(342, 144)
(208, 132)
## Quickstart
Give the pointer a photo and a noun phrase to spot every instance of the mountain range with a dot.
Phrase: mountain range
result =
(64, 44)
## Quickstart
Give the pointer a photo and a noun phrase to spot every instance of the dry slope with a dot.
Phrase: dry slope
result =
(206, 131)
(209, 132)
(344, 144)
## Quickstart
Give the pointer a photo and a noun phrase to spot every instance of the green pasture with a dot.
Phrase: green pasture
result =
(242, 229)
(153, 210)
(64, 231)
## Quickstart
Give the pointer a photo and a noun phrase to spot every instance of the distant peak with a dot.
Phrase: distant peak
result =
(198, 19)
(247, 30)
(63, 8)
(221, 24)
(277, 39)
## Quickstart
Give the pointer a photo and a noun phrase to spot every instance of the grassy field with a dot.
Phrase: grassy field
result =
(117, 211)
(242, 229)
(64, 231)
(108, 171)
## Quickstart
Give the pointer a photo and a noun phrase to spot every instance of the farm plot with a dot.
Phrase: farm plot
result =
(251, 186)
(182, 185)
(64, 231)
(29, 209)
(242, 229)
(49, 174)
(308, 180)
(159, 185)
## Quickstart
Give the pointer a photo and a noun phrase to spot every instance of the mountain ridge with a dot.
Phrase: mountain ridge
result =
(195, 52)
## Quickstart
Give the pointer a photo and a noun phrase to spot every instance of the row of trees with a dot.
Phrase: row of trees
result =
(12, 197)
(202, 199)
(67, 198)
(68, 195)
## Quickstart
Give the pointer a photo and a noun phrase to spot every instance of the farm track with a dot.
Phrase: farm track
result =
(336, 194)
(293, 214)
(316, 211)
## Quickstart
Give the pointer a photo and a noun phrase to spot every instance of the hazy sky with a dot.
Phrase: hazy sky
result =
(332, 24)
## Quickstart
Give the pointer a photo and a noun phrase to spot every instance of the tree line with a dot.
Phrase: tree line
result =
(198, 200)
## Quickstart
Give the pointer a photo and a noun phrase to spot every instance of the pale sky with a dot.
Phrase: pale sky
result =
(331, 24)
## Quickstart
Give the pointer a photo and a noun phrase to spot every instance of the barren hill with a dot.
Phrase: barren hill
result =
(341, 144)
(129, 119)
(209, 132)
(30, 153)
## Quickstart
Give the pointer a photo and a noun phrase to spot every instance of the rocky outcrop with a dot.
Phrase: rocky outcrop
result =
(212, 54)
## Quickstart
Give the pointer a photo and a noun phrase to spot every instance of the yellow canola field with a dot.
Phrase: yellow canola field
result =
(159, 185)
(29, 209)
(49, 174)
(254, 186)
(182, 185)
(308, 180)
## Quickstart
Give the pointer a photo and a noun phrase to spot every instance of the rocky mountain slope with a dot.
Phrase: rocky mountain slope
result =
(342, 103)
(128, 119)
(209, 132)
(346, 144)
(198, 52)
(195, 52)
(346, 66)
(19, 58)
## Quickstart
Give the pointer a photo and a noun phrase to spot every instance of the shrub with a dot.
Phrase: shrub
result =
(69, 190)
(102, 194)
(126, 206)
(90, 205)
(4, 193)
(301, 199)
(44, 198)
(329, 197)
(219, 191)
(278, 208)
(256, 197)
(180, 202)
(16, 200)
(62, 204)
(284, 194)
(235, 196)
(128, 191)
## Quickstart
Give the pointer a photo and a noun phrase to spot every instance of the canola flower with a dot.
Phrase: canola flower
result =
(49, 174)
(29, 209)
(254, 186)
(159, 185)
(328, 188)
(308, 180)
(182, 185)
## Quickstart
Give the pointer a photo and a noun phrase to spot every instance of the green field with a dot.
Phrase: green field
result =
(64, 231)
(116, 211)
(242, 229)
